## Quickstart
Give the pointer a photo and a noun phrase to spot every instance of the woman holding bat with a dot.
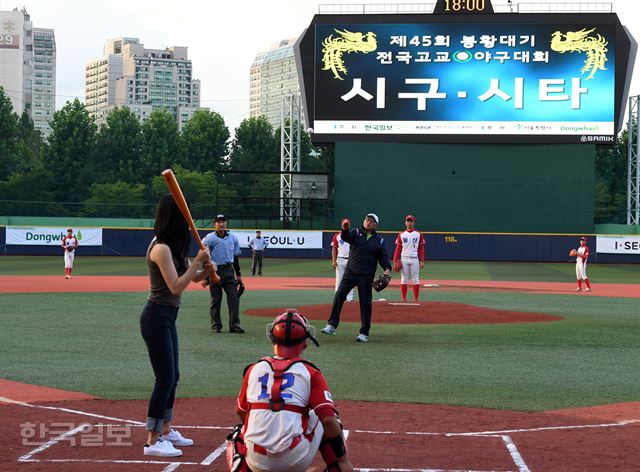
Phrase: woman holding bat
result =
(169, 275)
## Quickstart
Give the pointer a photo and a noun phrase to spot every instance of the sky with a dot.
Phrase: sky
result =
(223, 37)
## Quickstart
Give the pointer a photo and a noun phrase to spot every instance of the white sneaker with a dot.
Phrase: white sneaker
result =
(362, 338)
(177, 439)
(67, 276)
(587, 289)
(578, 290)
(162, 449)
(329, 329)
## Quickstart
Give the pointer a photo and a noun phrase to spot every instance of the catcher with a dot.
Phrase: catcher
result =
(69, 245)
(286, 408)
(367, 251)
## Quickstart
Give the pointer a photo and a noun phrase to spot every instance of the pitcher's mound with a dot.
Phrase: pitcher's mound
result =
(415, 313)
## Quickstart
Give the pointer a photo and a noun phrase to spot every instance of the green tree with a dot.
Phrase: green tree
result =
(116, 200)
(202, 190)
(70, 154)
(9, 135)
(30, 145)
(28, 190)
(611, 169)
(119, 147)
(204, 141)
(160, 144)
(255, 147)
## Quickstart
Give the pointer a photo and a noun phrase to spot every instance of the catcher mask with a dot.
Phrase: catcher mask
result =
(290, 329)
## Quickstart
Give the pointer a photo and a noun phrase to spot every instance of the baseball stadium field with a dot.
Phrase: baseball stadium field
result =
(500, 367)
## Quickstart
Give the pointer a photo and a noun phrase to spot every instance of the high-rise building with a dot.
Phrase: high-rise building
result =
(272, 75)
(142, 80)
(28, 67)
(44, 79)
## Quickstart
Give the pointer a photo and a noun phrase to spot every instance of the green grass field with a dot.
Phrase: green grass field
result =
(91, 342)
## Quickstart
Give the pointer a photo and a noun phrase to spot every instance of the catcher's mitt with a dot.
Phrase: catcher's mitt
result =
(381, 282)
(397, 265)
(573, 253)
(239, 288)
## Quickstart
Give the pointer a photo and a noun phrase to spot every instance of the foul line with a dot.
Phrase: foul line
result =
(111, 461)
(215, 454)
(498, 433)
(67, 410)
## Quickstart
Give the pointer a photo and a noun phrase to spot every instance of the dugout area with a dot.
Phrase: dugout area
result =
(454, 187)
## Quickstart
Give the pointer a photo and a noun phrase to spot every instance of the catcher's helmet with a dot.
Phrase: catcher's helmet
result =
(289, 333)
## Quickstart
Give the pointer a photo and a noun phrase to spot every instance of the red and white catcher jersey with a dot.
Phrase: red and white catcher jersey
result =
(302, 385)
(343, 247)
(410, 242)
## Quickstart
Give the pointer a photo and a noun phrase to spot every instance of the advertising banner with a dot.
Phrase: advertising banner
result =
(278, 239)
(618, 244)
(51, 236)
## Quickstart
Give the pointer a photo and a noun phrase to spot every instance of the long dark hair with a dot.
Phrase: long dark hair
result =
(171, 229)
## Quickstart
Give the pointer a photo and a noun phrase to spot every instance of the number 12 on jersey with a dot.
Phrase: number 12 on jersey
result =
(287, 382)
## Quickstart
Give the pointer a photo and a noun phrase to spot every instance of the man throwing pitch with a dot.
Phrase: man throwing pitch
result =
(409, 256)
(367, 251)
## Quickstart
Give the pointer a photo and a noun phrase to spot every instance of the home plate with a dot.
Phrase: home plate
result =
(404, 304)
(431, 285)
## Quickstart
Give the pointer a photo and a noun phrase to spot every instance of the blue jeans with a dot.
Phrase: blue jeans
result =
(158, 328)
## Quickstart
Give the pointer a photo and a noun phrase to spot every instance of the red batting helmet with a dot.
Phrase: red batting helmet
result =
(289, 333)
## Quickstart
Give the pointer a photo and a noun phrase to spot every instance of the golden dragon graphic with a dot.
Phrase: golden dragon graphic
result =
(347, 42)
(595, 47)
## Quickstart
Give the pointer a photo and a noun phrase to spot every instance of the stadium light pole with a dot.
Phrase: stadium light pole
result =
(633, 182)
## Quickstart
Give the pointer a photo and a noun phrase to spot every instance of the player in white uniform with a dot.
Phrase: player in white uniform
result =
(410, 251)
(287, 409)
(339, 258)
(581, 265)
(69, 244)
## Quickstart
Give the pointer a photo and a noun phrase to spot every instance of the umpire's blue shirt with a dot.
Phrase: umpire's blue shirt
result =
(366, 252)
(222, 248)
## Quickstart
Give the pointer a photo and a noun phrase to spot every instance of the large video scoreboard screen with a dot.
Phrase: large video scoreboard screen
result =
(494, 78)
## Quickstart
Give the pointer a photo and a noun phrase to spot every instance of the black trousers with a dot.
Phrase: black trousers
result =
(257, 260)
(228, 284)
(348, 282)
(158, 329)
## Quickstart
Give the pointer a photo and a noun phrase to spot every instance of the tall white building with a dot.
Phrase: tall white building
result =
(44, 79)
(142, 80)
(272, 75)
(28, 67)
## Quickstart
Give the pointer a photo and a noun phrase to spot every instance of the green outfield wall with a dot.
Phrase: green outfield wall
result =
(499, 188)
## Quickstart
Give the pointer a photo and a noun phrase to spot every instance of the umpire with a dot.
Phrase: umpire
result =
(224, 249)
(367, 251)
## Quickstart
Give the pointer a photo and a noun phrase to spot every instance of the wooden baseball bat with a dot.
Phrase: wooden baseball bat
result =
(178, 197)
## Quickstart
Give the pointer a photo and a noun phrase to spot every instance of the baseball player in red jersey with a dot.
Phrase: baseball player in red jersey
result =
(286, 407)
(339, 257)
(581, 265)
(410, 252)
(69, 244)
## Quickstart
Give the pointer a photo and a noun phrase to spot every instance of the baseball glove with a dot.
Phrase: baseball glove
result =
(381, 282)
(239, 288)
(397, 265)
(70, 248)
(573, 253)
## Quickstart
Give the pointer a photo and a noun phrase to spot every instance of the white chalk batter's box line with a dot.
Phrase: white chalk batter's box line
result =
(173, 465)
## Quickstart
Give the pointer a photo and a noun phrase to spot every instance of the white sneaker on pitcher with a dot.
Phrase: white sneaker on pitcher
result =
(177, 439)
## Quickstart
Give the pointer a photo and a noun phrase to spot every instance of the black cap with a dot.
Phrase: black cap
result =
(220, 217)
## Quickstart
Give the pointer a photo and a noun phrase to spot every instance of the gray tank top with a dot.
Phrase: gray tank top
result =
(158, 290)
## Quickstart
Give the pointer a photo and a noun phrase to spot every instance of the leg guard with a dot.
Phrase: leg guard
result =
(236, 451)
